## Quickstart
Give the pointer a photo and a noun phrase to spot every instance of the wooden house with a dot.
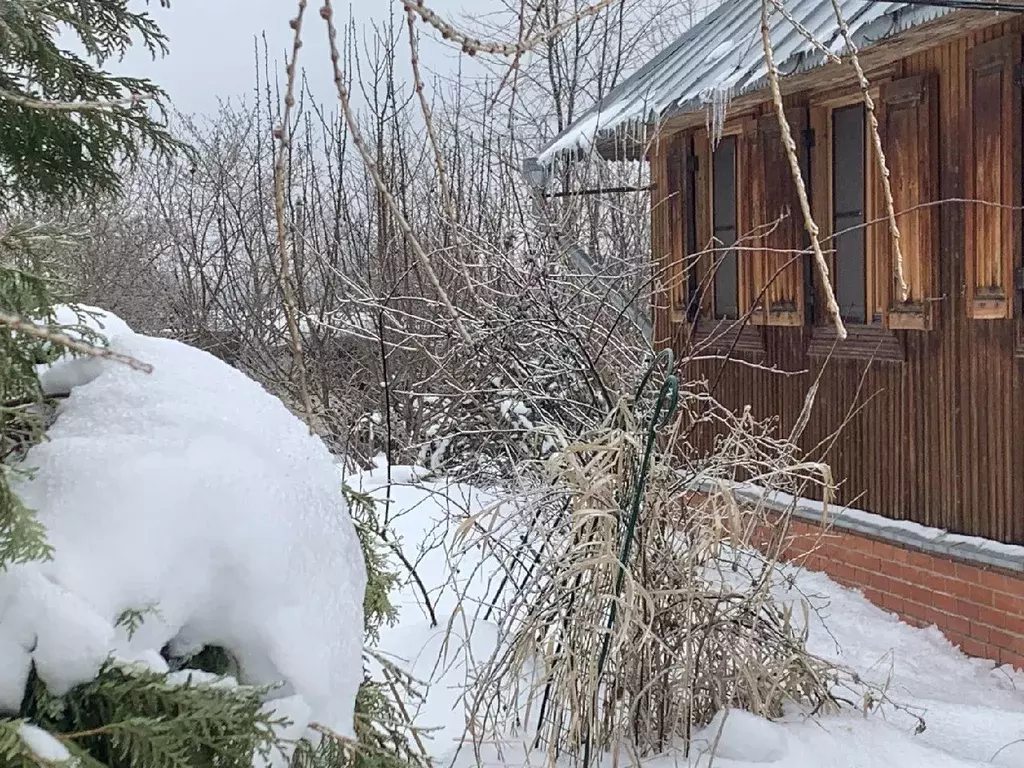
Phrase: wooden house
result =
(925, 395)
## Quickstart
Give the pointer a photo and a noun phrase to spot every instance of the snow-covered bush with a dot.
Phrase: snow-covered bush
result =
(520, 380)
(184, 508)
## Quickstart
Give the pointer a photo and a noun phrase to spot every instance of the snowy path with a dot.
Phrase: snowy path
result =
(974, 712)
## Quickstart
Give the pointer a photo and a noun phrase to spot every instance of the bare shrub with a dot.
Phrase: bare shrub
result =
(388, 369)
(646, 605)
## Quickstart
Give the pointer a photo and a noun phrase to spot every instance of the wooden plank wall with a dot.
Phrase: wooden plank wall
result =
(938, 439)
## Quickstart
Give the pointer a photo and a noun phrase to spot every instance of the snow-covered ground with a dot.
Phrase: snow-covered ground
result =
(974, 712)
(193, 490)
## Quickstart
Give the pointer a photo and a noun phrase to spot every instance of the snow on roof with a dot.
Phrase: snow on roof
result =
(722, 57)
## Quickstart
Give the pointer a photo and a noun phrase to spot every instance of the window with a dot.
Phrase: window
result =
(848, 212)
(723, 180)
(849, 203)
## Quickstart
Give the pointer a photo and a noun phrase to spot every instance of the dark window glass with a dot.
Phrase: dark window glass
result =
(848, 164)
(723, 181)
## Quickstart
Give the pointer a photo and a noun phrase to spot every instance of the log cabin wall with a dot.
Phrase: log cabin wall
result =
(935, 433)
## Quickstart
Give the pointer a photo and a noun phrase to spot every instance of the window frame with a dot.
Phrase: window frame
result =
(713, 334)
(854, 215)
(875, 294)
(875, 341)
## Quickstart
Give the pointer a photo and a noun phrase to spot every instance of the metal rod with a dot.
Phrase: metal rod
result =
(600, 191)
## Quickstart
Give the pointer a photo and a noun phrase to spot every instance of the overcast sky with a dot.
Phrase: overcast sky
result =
(211, 44)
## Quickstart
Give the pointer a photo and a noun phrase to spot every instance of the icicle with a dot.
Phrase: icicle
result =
(717, 100)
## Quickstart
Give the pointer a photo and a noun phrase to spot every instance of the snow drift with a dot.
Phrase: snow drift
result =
(195, 496)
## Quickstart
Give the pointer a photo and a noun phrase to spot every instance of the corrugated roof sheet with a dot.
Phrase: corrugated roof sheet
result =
(722, 57)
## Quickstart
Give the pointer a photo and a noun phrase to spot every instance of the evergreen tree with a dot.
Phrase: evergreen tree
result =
(68, 129)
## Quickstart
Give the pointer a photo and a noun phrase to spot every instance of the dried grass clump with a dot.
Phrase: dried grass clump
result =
(641, 638)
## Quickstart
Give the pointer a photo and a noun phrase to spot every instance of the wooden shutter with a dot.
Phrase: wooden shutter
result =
(778, 269)
(909, 132)
(749, 189)
(992, 119)
(660, 244)
(679, 256)
(702, 189)
(820, 190)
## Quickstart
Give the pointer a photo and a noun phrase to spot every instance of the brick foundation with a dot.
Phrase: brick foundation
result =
(980, 609)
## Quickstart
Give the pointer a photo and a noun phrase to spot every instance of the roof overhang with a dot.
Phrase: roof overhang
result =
(679, 89)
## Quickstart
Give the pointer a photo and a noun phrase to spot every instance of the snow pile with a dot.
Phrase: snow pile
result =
(193, 495)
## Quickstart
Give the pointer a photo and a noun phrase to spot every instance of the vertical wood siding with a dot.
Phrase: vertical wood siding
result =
(939, 438)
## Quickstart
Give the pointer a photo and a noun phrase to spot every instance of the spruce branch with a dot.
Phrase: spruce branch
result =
(70, 126)
(22, 536)
(62, 339)
(130, 716)
(74, 106)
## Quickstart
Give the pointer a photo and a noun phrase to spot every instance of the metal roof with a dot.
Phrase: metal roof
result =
(722, 57)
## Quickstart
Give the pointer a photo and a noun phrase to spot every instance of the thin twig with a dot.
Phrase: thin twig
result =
(57, 337)
(283, 136)
(472, 46)
(73, 106)
(435, 142)
(327, 14)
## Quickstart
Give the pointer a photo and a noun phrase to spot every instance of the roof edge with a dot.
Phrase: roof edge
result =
(620, 126)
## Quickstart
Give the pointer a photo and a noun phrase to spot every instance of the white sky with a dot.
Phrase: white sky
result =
(212, 54)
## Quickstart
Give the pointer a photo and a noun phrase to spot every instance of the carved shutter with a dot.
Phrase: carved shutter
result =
(702, 191)
(991, 176)
(660, 242)
(680, 265)
(778, 270)
(749, 190)
(910, 140)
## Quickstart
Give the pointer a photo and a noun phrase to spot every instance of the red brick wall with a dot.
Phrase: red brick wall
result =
(979, 609)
